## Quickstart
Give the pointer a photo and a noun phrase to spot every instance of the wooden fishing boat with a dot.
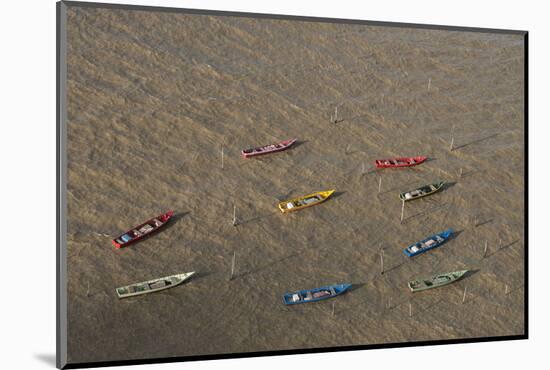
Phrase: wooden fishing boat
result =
(151, 286)
(272, 148)
(421, 191)
(432, 242)
(143, 230)
(305, 201)
(314, 295)
(435, 281)
(399, 162)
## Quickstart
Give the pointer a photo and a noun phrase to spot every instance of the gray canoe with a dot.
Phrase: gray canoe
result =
(421, 191)
(151, 286)
(435, 281)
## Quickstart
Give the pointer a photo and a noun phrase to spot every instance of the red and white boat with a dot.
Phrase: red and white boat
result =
(399, 162)
(268, 148)
(141, 231)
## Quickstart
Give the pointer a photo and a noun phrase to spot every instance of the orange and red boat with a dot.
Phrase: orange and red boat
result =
(400, 162)
(272, 148)
(143, 230)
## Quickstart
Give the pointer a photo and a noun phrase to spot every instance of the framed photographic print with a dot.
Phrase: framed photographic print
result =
(234, 184)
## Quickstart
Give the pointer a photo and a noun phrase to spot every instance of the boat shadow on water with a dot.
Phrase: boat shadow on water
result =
(454, 235)
(447, 185)
(174, 219)
(336, 194)
(469, 273)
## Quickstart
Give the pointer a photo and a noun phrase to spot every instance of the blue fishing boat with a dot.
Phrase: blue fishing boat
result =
(431, 242)
(316, 294)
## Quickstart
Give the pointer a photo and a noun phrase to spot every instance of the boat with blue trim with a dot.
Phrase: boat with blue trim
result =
(431, 242)
(315, 295)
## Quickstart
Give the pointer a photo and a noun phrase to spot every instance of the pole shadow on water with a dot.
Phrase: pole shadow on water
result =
(503, 247)
(268, 265)
(485, 222)
(426, 211)
(258, 218)
(395, 267)
(475, 141)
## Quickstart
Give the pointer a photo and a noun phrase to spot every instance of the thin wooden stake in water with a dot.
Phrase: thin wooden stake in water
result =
(429, 83)
(382, 261)
(410, 310)
(506, 291)
(379, 184)
(402, 209)
(88, 290)
(336, 115)
(232, 267)
(222, 156)
(333, 308)
(234, 215)
(464, 295)
(485, 249)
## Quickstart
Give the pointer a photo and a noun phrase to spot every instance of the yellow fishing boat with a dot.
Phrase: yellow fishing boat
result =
(305, 201)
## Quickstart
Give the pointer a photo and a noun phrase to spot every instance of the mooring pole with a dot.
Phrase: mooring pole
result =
(232, 267)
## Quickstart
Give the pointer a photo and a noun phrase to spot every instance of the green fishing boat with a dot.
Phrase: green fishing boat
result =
(436, 281)
(421, 191)
(151, 286)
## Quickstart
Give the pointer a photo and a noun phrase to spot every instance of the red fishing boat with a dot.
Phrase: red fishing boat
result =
(400, 162)
(141, 231)
(268, 148)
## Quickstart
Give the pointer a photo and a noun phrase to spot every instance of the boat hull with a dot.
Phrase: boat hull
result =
(421, 192)
(399, 162)
(425, 245)
(315, 295)
(306, 201)
(142, 231)
(435, 281)
(267, 149)
(152, 286)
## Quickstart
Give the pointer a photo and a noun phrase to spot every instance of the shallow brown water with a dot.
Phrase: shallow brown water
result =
(153, 97)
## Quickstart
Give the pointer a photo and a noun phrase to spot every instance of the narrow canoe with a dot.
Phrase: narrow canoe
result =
(432, 242)
(266, 149)
(421, 191)
(143, 230)
(151, 286)
(435, 281)
(399, 162)
(305, 201)
(315, 295)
